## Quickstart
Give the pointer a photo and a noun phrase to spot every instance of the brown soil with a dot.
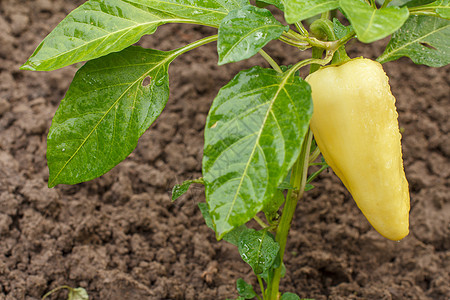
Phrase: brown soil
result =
(121, 237)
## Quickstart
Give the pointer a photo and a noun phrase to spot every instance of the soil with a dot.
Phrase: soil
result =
(121, 237)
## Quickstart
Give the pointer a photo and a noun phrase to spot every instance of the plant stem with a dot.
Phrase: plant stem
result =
(298, 181)
(312, 41)
(308, 61)
(260, 222)
(261, 286)
(55, 290)
(270, 60)
(301, 45)
(315, 174)
(385, 3)
(315, 154)
(196, 44)
(301, 29)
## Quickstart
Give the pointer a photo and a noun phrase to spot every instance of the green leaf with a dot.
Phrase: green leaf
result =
(111, 102)
(77, 294)
(269, 273)
(258, 249)
(340, 30)
(205, 213)
(99, 27)
(409, 3)
(231, 237)
(277, 3)
(441, 8)
(372, 24)
(289, 296)
(424, 39)
(298, 10)
(308, 187)
(245, 31)
(244, 289)
(395, 2)
(271, 208)
(179, 189)
(253, 135)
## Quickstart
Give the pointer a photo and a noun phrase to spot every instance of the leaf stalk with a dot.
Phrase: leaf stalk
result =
(271, 61)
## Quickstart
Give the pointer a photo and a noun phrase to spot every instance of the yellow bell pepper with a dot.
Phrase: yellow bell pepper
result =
(356, 128)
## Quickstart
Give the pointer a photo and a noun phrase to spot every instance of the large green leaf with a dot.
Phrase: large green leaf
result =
(99, 27)
(245, 31)
(424, 39)
(297, 10)
(258, 248)
(372, 24)
(253, 136)
(111, 102)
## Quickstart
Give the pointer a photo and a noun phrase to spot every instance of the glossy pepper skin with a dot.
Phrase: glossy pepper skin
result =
(356, 128)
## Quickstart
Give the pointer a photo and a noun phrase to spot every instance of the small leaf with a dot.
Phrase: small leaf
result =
(286, 184)
(253, 135)
(424, 39)
(99, 27)
(78, 294)
(258, 249)
(372, 24)
(245, 31)
(179, 189)
(308, 187)
(107, 108)
(290, 296)
(231, 237)
(341, 30)
(298, 10)
(271, 208)
(244, 289)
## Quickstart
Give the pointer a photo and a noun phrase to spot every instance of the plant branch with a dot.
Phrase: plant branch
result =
(196, 44)
(261, 222)
(317, 173)
(270, 60)
(308, 61)
(385, 3)
(261, 286)
(301, 45)
(301, 29)
(345, 39)
(312, 41)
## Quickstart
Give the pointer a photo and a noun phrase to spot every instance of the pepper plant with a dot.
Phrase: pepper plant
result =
(257, 145)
